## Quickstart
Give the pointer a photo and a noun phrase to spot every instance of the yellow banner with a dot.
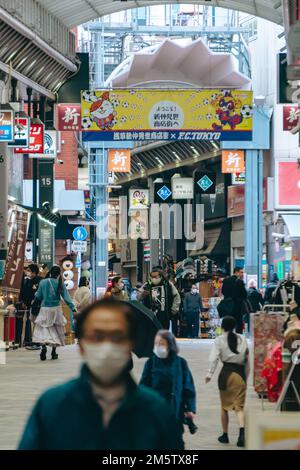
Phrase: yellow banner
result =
(173, 114)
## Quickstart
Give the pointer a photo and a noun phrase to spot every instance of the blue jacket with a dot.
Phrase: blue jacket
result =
(171, 378)
(47, 294)
(68, 417)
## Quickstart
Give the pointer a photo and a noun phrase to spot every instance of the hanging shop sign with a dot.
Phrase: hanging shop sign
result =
(182, 188)
(46, 194)
(291, 116)
(36, 139)
(50, 144)
(119, 160)
(205, 182)
(139, 198)
(138, 227)
(162, 192)
(233, 161)
(287, 184)
(238, 178)
(16, 254)
(21, 132)
(6, 125)
(68, 117)
(235, 201)
(142, 115)
(3, 199)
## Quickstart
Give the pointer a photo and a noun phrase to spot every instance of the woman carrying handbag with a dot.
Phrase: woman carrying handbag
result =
(49, 329)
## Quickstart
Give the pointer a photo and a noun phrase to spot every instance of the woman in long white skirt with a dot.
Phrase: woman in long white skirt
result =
(49, 329)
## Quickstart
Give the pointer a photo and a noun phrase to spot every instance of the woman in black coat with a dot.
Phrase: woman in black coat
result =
(170, 376)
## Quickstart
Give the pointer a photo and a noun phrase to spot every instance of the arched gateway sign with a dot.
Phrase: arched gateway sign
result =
(170, 114)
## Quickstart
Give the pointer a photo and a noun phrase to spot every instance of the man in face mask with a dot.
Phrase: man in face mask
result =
(192, 307)
(161, 296)
(103, 409)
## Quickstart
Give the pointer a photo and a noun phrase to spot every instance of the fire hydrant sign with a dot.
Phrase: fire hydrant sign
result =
(79, 247)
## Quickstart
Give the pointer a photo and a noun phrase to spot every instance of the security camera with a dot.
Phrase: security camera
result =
(59, 162)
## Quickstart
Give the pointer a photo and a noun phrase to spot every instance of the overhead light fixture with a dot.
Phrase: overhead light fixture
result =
(215, 145)
(177, 156)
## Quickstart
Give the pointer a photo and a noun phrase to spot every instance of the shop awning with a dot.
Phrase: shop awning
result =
(292, 221)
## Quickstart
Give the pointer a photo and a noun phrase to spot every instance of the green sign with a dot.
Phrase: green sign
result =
(280, 270)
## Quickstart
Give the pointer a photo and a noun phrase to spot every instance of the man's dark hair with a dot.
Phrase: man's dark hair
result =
(109, 304)
(33, 268)
(237, 270)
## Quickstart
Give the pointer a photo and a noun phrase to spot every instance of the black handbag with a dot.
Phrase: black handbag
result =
(35, 307)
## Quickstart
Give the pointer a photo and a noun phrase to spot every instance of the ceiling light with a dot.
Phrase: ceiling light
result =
(215, 145)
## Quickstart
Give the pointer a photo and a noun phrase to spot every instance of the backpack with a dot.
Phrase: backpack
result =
(226, 307)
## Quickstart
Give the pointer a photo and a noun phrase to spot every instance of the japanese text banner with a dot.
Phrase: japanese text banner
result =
(167, 114)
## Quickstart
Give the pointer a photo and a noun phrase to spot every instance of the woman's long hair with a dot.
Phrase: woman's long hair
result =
(228, 325)
(55, 273)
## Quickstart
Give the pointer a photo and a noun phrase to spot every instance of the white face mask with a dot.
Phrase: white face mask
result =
(194, 291)
(156, 281)
(161, 352)
(106, 360)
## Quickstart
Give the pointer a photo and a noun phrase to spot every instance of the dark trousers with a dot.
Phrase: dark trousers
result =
(164, 320)
(193, 323)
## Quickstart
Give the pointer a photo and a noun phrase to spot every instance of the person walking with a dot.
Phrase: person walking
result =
(232, 350)
(192, 307)
(271, 288)
(117, 290)
(160, 296)
(169, 375)
(49, 325)
(255, 298)
(103, 408)
(134, 294)
(28, 290)
(82, 296)
(234, 288)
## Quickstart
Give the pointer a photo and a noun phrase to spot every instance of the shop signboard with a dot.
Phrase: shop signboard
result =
(205, 182)
(233, 161)
(291, 116)
(152, 114)
(238, 178)
(13, 273)
(21, 131)
(119, 160)
(79, 246)
(287, 184)
(36, 139)
(162, 192)
(138, 227)
(3, 199)
(50, 144)
(139, 198)
(6, 125)
(68, 117)
(182, 188)
(46, 231)
(235, 201)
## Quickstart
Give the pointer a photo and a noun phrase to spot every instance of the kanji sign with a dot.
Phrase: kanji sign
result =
(205, 182)
(291, 116)
(69, 117)
(162, 192)
(21, 132)
(287, 184)
(233, 161)
(6, 125)
(119, 161)
(79, 246)
(36, 138)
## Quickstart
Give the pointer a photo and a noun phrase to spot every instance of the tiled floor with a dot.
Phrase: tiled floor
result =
(24, 377)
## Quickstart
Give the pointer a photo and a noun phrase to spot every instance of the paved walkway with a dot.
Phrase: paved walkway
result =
(24, 377)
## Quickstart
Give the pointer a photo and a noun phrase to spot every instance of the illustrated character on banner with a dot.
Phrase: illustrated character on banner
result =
(102, 112)
(229, 110)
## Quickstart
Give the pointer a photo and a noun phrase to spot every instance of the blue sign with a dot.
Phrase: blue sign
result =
(164, 193)
(6, 126)
(174, 135)
(78, 261)
(205, 183)
(80, 234)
